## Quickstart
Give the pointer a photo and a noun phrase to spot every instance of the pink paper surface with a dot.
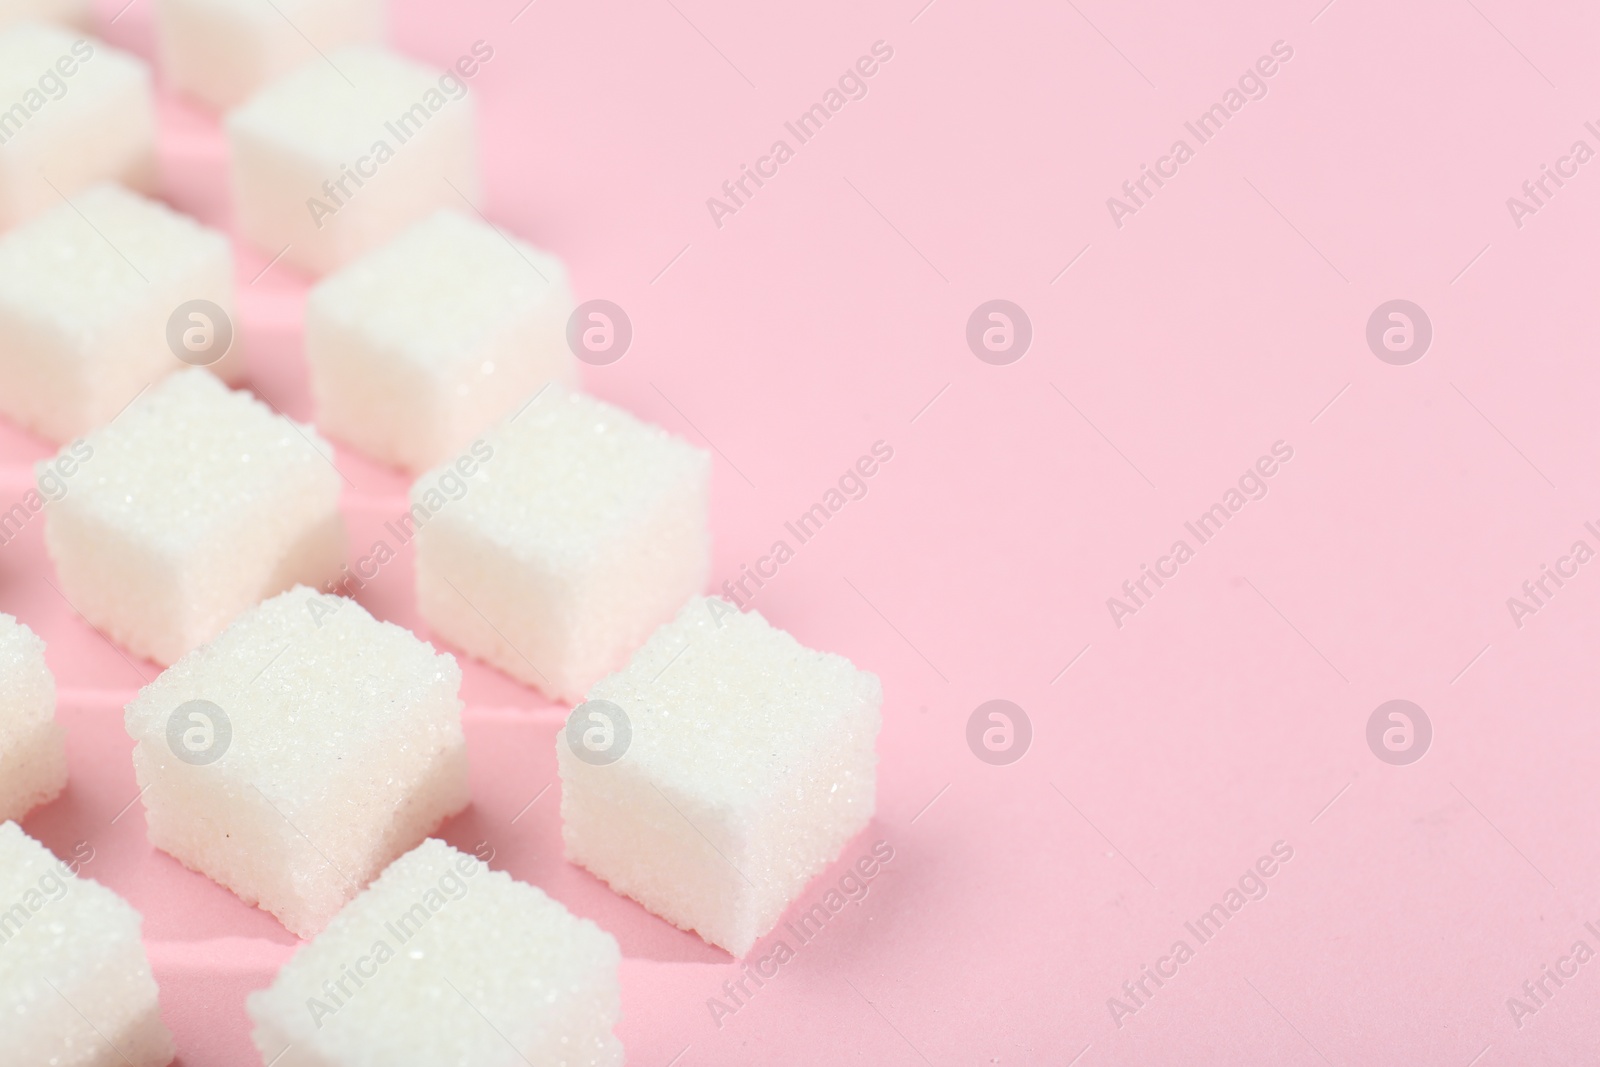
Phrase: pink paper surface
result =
(1174, 344)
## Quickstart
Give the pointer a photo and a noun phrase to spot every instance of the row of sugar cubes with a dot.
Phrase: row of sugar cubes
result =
(298, 749)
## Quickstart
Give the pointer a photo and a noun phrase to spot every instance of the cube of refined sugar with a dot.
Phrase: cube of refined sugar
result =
(75, 13)
(719, 771)
(88, 293)
(73, 112)
(299, 753)
(443, 960)
(192, 505)
(426, 342)
(75, 983)
(33, 755)
(562, 539)
(339, 156)
(221, 51)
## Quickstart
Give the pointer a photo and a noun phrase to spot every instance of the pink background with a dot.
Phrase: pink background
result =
(1227, 314)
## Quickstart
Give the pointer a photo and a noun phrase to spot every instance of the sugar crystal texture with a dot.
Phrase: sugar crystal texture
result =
(567, 535)
(33, 756)
(86, 292)
(73, 112)
(427, 341)
(75, 984)
(337, 157)
(329, 744)
(189, 507)
(748, 762)
(444, 961)
(221, 51)
(75, 13)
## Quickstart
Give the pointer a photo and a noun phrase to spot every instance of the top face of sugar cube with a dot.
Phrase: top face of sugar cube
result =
(570, 473)
(443, 944)
(30, 51)
(27, 690)
(721, 703)
(68, 920)
(185, 462)
(314, 689)
(336, 109)
(441, 290)
(88, 263)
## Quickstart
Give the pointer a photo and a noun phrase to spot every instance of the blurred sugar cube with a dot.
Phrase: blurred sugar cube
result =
(97, 299)
(443, 960)
(75, 983)
(719, 772)
(73, 112)
(194, 504)
(33, 755)
(427, 341)
(578, 530)
(75, 13)
(298, 754)
(221, 51)
(336, 158)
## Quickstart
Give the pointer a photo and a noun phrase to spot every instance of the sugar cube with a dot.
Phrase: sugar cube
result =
(73, 112)
(443, 960)
(555, 548)
(193, 504)
(88, 294)
(75, 984)
(719, 771)
(342, 154)
(221, 51)
(427, 341)
(295, 756)
(33, 755)
(77, 13)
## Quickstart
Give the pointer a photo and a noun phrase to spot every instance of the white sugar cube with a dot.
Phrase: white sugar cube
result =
(339, 156)
(444, 961)
(73, 111)
(75, 984)
(426, 342)
(573, 533)
(76, 13)
(194, 504)
(87, 294)
(221, 51)
(33, 755)
(720, 771)
(299, 753)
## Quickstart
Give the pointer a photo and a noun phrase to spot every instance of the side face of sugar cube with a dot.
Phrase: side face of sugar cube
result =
(77, 112)
(324, 744)
(87, 292)
(33, 756)
(426, 342)
(330, 168)
(579, 532)
(222, 51)
(192, 505)
(739, 766)
(443, 960)
(74, 13)
(75, 984)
